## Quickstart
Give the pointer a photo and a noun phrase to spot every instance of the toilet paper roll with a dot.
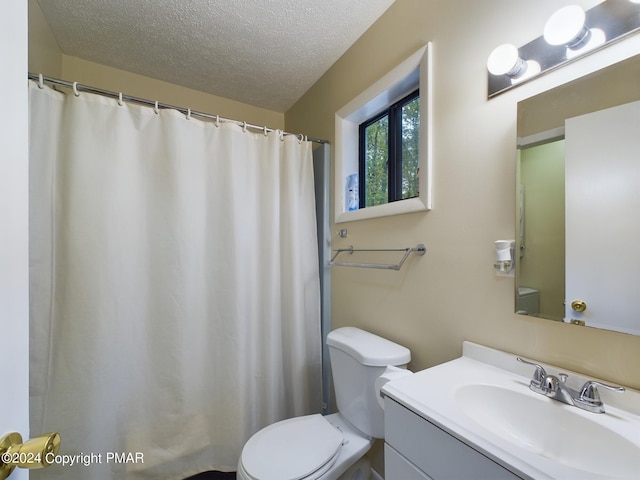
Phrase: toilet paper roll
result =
(391, 373)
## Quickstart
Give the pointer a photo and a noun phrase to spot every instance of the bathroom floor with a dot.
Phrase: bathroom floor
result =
(214, 476)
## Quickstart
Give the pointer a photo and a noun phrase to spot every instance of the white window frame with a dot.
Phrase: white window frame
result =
(414, 72)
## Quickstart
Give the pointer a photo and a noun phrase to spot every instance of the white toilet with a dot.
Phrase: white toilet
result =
(315, 447)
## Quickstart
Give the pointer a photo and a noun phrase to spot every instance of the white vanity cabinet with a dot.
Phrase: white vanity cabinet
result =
(416, 449)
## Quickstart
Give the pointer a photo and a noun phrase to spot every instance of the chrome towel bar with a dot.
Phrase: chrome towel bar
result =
(419, 249)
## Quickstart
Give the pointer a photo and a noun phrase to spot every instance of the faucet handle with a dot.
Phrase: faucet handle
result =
(539, 376)
(589, 390)
(590, 397)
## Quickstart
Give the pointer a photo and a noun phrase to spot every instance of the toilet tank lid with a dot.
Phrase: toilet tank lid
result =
(522, 291)
(367, 348)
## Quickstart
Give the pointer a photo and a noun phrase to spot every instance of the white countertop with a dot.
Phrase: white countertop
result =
(432, 394)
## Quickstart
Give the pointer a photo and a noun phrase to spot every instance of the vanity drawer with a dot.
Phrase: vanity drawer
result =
(435, 452)
(396, 467)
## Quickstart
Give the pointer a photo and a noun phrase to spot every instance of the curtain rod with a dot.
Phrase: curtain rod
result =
(76, 87)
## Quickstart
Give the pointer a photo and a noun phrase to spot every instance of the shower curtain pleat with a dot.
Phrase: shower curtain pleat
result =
(174, 286)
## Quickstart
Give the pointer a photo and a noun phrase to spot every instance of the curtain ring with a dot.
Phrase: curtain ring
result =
(265, 131)
(40, 81)
(75, 89)
(244, 127)
(300, 138)
(188, 114)
(281, 135)
(120, 99)
(217, 120)
(155, 108)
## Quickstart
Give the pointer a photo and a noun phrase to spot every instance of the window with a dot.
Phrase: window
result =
(410, 192)
(388, 153)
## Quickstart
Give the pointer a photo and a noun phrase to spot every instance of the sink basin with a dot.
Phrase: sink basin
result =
(551, 429)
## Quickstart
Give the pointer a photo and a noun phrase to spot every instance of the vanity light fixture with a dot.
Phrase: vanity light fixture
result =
(568, 34)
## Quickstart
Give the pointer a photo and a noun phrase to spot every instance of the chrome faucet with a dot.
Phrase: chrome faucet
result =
(555, 387)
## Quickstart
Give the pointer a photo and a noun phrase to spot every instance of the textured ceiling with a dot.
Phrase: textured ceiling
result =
(266, 53)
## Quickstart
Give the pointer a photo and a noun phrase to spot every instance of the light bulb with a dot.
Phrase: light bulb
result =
(505, 60)
(567, 27)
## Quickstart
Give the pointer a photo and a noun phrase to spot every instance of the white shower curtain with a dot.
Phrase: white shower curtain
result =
(174, 286)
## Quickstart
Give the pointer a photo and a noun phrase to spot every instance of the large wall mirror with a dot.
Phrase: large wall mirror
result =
(578, 201)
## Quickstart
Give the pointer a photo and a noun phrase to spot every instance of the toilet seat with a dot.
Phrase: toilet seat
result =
(294, 449)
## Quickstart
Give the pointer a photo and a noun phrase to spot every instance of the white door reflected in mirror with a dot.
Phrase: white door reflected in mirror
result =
(602, 199)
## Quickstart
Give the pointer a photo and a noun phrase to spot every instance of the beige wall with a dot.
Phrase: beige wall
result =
(452, 293)
(549, 109)
(46, 57)
(101, 76)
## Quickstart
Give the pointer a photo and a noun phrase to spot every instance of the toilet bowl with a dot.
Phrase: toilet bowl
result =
(312, 447)
(316, 447)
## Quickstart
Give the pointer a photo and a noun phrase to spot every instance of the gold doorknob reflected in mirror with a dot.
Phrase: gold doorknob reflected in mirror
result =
(579, 305)
(38, 452)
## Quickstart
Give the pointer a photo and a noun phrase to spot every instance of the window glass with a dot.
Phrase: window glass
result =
(376, 168)
(389, 157)
(410, 157)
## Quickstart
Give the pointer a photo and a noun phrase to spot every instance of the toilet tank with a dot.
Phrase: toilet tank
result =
(358, 358)
(527, 301)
